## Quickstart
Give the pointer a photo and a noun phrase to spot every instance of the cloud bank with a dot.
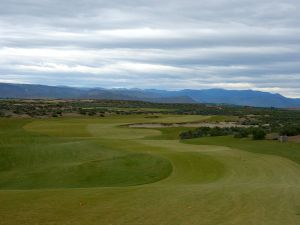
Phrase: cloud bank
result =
(178, 44)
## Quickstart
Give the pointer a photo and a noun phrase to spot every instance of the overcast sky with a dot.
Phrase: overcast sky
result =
(165, 44)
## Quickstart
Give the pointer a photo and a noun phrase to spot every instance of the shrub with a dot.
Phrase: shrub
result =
(290, 130)
(258, 134)
(54, 114)
(242, 133)
(91, 113)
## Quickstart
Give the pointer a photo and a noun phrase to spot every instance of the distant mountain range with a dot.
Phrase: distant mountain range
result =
(219, 96)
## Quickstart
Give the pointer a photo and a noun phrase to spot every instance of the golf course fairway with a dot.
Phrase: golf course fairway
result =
(96, 171)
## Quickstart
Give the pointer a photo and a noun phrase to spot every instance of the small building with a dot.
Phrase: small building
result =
(283, 138)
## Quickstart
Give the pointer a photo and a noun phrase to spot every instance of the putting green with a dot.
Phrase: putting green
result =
(129, 176)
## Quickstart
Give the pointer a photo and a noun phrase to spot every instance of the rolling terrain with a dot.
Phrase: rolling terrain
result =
(216, 96)
(95, 171)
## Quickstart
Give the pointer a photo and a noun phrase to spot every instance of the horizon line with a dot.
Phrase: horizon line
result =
(158, 89)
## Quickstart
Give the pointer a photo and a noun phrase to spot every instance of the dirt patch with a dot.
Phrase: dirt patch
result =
(295, 138)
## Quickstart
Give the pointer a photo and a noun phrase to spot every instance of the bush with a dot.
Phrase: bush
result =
(54, 115)
(207, 131)
(82, 112)
(91, 113)
(258, 134)
(238, 132)
(290, 130)
(242, 133)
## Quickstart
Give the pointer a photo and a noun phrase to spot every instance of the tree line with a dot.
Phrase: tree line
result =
(238, 132)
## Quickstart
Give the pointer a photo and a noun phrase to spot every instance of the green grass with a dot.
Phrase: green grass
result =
(59, 159)
(119, 171)
(288, 150)
(169, 133)
(93, 171)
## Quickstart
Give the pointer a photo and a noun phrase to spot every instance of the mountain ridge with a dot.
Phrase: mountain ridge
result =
(218, 96)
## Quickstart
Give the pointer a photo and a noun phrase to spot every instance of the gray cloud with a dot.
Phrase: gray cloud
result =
(235, 44)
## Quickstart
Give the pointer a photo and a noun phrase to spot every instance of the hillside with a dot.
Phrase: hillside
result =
(219, 96)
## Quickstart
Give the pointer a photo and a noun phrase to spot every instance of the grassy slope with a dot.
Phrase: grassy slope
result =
(62, 160)
(288, 150)
(208, 185)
